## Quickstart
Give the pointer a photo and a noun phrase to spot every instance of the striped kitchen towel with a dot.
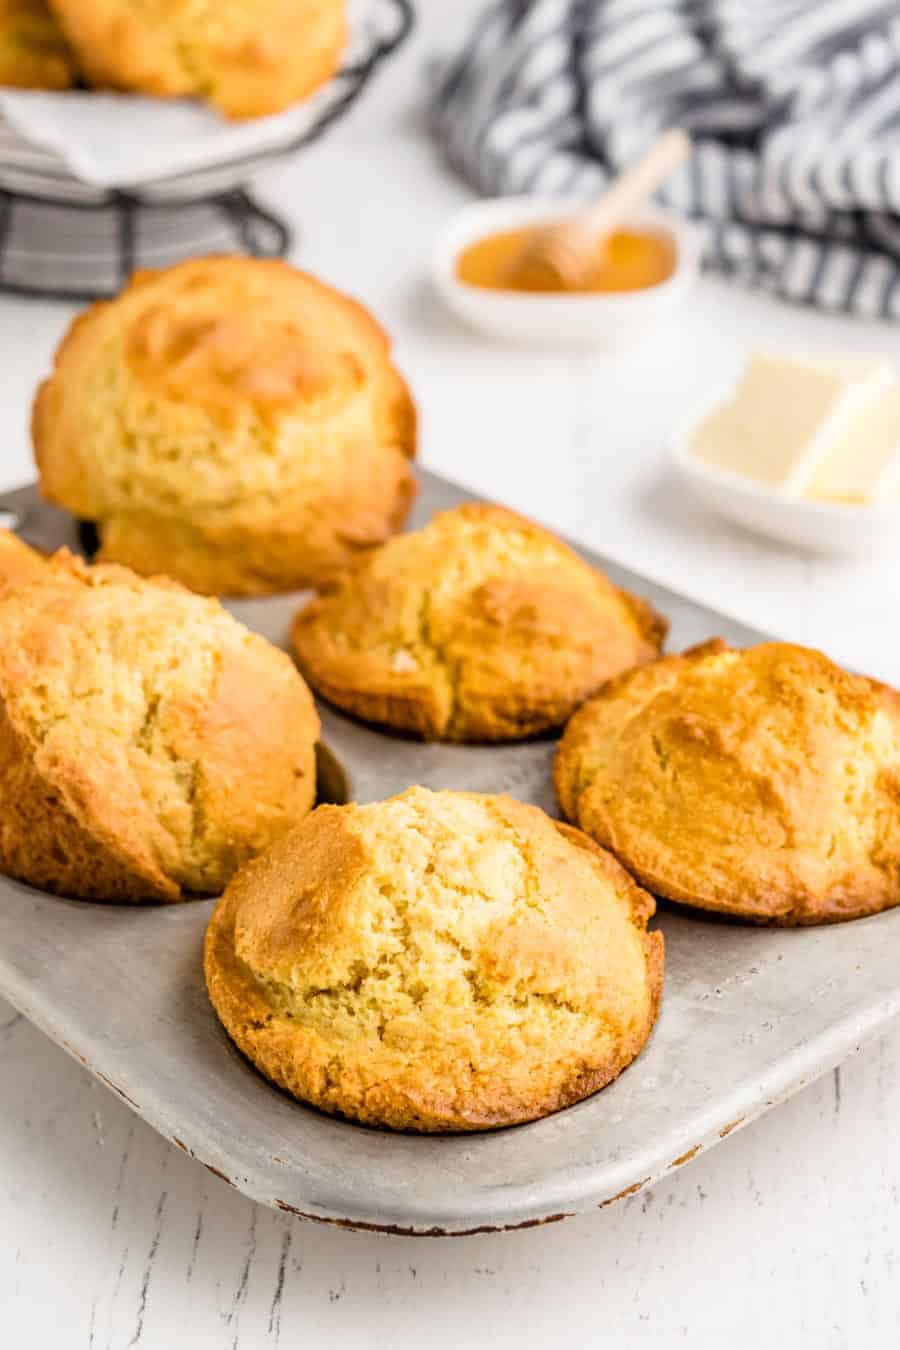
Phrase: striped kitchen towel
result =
(794, 106)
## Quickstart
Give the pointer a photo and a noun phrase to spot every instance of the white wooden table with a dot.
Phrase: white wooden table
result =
(789, 1232)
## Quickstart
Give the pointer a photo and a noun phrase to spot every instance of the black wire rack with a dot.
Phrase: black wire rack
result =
(61, 239)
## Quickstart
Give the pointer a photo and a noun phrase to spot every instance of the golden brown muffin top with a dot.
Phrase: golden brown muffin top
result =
(436, 961)
(764, 783)
(18, 561)
(248, 57)
(225, 332)
(235, 403)
(34, 53)
(481, 626)
(163, 726)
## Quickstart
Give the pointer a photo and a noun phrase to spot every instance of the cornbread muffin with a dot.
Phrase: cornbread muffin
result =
(18, 561)
(230, 422)
(481, 627)
(34, 53)
(439, 961)
(762, 783)
(149, 744)
(247, 57)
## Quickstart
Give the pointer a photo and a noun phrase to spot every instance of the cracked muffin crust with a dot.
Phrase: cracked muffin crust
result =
(480, 627)
(438, 961)
(763, 783)
(246, 57)
(34, 53)
(149, 744)
(231, 422)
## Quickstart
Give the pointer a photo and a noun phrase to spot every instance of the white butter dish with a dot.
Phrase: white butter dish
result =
(806, 523)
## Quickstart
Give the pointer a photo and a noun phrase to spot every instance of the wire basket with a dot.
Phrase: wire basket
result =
(61, 238)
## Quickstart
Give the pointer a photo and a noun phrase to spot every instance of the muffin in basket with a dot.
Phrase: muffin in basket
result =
(34, 53)
(230, 422)
(247, 57)
(762, 783)
(149, 744)
(480, 627)
(438, 961)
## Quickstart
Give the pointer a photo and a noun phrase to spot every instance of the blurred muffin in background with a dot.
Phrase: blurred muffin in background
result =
(438, 961)
(34, 53)
(248, 57)
(230, 422)
(762, 783)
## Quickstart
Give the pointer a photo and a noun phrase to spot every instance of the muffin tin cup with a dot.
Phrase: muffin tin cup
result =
(749, 1015)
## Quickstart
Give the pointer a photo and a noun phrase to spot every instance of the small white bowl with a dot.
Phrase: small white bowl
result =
(593, 319)
(801, 522)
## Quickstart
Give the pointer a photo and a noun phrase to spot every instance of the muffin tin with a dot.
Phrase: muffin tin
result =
(749, 1015)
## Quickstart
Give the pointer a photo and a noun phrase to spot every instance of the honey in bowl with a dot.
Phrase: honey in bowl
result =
(628, 260)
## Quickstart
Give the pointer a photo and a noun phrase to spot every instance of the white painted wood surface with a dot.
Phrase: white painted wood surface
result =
(789, 1233)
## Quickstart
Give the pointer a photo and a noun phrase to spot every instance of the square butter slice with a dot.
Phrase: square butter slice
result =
(863, 464)
(786, 415)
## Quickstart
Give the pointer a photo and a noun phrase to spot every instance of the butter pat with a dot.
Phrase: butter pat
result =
(790, 416)
(863, 464)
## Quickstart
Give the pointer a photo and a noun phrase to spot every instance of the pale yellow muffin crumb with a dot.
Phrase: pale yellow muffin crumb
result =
(231, 422)
(438, 961)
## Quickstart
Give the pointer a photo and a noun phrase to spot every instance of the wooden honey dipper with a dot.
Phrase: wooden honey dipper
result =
(561, 256)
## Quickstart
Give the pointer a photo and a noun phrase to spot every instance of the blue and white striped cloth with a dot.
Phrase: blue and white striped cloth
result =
(794, 106)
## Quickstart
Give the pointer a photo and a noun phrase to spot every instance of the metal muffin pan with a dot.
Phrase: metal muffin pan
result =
(749, 1015)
